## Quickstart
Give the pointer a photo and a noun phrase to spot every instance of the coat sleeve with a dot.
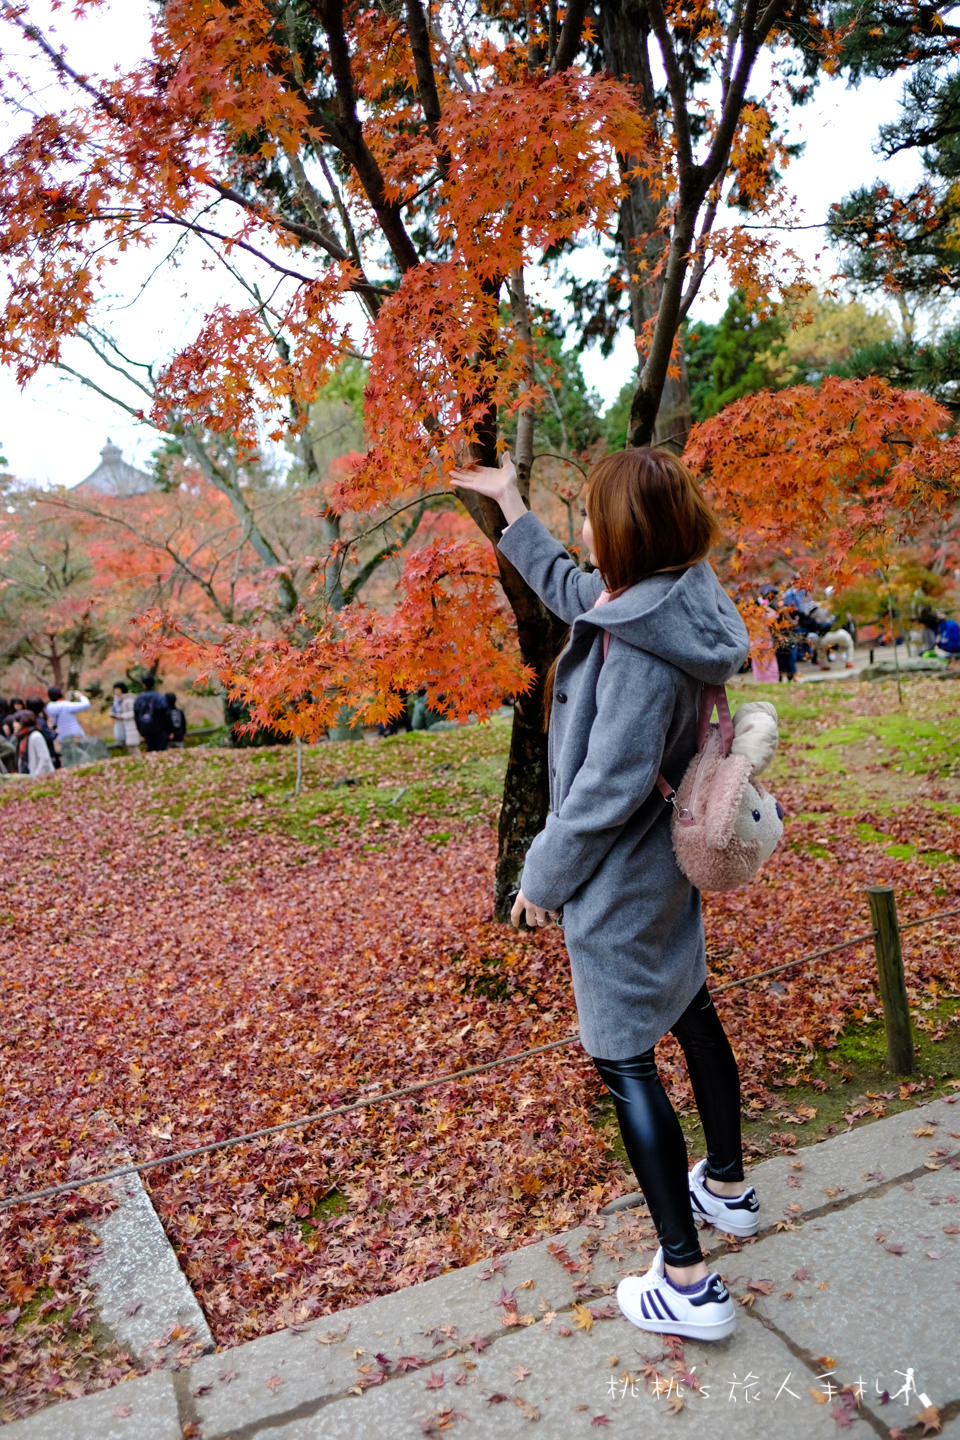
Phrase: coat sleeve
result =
(548, 569)
(636, 698)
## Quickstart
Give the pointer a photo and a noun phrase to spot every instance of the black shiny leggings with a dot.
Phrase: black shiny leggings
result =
(651, 1131)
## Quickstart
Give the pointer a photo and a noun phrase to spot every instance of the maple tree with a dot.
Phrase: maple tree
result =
(852, 471)
(53, 606)
(83, 564)
(387, 176)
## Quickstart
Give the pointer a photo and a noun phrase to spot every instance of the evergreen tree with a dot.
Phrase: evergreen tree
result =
(733, 358)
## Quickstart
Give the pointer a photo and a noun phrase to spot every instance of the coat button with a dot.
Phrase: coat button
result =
(561, 698)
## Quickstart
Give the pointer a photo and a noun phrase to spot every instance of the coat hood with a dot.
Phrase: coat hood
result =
(688, 620)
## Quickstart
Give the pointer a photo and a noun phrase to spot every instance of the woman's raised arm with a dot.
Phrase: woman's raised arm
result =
(543, 562)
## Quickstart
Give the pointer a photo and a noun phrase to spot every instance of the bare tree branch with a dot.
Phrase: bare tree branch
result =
(523, 458)
(675, 84)
(570, 34)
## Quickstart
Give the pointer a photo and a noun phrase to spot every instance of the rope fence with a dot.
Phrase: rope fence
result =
(884, 936)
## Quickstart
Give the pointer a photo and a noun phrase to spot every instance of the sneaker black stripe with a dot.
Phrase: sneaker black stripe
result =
(669, 1313)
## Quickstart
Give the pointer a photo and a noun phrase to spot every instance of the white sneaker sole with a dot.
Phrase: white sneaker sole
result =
(728, 1226)
(739, 1223)
(689, 1329)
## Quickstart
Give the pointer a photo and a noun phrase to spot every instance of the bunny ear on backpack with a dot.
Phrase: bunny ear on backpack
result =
(727, 786)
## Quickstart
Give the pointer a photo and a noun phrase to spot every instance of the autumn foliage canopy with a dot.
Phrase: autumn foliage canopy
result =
(376, 180)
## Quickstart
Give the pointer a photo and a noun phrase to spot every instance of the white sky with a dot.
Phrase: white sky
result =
(53, 430)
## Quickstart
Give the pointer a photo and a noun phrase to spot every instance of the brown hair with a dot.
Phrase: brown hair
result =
(647, 514)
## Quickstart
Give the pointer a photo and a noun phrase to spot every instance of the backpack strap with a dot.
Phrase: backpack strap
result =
(715, 697)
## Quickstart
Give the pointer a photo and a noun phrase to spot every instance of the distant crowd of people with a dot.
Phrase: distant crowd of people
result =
(803, 629)
(150, 716)
(32, 731)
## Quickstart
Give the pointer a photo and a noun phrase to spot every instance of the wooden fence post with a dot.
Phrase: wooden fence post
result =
(893, 988)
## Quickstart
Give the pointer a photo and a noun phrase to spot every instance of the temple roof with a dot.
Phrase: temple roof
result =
(113, 476)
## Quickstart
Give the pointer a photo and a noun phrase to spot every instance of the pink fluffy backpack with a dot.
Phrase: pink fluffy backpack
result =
(725, 824)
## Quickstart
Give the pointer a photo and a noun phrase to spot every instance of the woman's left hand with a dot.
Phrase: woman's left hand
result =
(533, 914)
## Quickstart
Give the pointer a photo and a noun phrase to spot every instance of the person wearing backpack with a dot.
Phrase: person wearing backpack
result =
(152, 716)
(621, 713)
(178, 721)
(948, 638)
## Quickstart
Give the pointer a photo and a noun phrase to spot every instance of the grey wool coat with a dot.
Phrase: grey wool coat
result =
(632, 921)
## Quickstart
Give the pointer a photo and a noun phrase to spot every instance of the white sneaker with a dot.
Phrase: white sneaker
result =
(651, 1302)
(734, 1215)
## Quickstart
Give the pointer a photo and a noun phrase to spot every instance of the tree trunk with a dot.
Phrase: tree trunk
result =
(56, 663)
(624, 29)
(526, 786)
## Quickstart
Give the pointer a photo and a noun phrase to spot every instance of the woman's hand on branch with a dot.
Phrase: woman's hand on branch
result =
(498, 484)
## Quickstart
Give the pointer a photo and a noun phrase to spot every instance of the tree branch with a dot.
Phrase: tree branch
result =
(454, 73)
(523, 458)
(370, 566)
(570, 34)
(231, 240)
(92, 385)
(675, 84)
(354, 147)
(752, 38)
(215, 474)
(426, 78)
(163, 547)
(86, 337)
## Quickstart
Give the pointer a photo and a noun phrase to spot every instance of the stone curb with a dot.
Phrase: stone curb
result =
(142, 1296)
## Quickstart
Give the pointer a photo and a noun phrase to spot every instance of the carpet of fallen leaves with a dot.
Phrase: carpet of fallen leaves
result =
(191, 958)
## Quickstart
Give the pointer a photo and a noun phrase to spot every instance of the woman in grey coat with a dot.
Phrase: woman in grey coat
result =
(649, 627)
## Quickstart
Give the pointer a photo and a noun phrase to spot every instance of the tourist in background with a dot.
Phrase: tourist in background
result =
(36, 704)
(33, 756)
(152, 715)
(62, 713)
(125, 730)
(178, 722)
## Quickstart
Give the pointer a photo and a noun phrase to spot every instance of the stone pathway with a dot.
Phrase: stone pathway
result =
(850, 1292)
